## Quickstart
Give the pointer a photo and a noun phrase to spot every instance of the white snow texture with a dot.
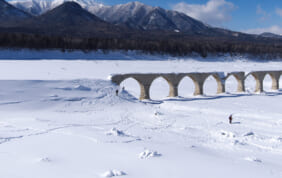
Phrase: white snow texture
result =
(62, 119)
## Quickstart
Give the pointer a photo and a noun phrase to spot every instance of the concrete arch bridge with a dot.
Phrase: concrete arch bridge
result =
(173, 79)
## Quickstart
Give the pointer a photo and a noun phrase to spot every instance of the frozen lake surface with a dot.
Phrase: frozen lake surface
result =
(62, 119)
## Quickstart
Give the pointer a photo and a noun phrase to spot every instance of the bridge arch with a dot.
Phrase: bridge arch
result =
(160, 87)
(231, 84)
(186, 85)
(131, 85)
(267, 82)
(199, 80)
(240, 77)
(210, 85)
(258, 76)
(143, 93)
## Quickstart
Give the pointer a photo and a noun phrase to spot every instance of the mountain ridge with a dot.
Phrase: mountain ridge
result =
(135, 15)
(39, 7)
(270, 35)
(139, 16)
(68, 19)
(10, 16)
(143, 17)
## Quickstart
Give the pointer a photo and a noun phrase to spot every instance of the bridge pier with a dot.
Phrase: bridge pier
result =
(145, 92)
(199, 88)
(240, 77)
(275, 76)
(259, 77)
(173, 91)
(220, 82)
(145, 82)
(173, 81)
(199, 80)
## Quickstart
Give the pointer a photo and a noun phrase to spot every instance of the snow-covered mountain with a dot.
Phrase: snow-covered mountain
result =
(69, 13)
(134, 14)
(123, 12)
(34, 7)
(9, 15)
(8, 11)
(38, 7)
(141, 16)
(270, 35)
(69, 18)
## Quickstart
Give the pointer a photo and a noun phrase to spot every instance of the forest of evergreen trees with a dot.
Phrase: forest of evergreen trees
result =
(177, 46)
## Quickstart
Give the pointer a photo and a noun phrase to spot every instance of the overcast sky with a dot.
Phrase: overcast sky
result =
(253, 16)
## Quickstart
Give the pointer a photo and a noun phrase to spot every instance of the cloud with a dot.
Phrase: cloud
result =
(214, 12)
(263, 14)
(273, 29)
(279, 12)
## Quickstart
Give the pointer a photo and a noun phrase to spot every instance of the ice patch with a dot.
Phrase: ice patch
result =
(148, 154)
(113, 173)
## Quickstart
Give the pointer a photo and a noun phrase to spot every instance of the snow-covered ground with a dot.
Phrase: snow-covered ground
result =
(61, 119)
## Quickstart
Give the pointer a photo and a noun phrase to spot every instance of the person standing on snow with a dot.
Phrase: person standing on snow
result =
(230, 119)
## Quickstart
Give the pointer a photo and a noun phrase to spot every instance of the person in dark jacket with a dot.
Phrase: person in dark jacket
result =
(230, 119)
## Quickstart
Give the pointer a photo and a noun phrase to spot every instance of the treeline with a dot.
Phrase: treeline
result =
(177, 46)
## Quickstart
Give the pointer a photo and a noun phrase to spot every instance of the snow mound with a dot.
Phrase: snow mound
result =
(227, 134)
(253, 159)
(116, 132)
(238, 142)
(249, 134)
(82, 88)
(157, 113)
(148, 154)
(77, 88)
(113, 173)
(45, 160)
